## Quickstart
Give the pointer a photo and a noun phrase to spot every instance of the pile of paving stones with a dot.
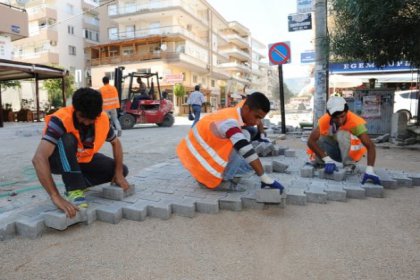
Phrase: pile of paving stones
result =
(167, 188)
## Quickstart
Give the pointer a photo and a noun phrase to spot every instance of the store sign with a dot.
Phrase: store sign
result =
(174, 78)
(355, 67)
(299, 22)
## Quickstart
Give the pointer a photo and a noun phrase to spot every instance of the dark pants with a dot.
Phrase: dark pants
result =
(197, 111)
(79, 176)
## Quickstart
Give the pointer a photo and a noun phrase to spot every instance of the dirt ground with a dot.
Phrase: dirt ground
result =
(359, 239)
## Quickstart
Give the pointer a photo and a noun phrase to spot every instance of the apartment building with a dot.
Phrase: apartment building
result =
(185, 39)
(13, 26)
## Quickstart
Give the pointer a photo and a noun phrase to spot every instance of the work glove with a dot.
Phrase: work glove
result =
(266, 181)
(264, 138)
(370, 175)
(330, 165)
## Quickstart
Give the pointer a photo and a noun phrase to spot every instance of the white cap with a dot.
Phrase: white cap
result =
(336, 104)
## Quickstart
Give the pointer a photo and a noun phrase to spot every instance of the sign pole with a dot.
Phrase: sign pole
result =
(282, 107)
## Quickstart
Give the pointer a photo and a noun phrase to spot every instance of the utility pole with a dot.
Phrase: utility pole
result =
(321, 60)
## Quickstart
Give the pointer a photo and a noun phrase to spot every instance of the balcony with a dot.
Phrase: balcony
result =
(42, 34)
(41, 12)
(237, 40)
(13, 22)
(219, 73)
(170, 31)
(45, 57)
(235, 66)
(89, 5)
(236, 53)
(239, 28)
(154, 10)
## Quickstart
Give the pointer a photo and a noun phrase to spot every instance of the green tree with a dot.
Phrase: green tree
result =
(10, 84)
(382, 32)
(276, 92)
(54, 89)
(179, 92)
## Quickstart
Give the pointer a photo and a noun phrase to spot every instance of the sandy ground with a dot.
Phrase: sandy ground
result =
(357, 239)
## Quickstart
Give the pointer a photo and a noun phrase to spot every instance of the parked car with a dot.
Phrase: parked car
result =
(406, 101)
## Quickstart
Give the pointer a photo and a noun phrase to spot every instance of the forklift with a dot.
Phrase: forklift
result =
(142, 102)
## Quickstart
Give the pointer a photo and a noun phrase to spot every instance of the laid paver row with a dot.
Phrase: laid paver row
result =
(167, 188)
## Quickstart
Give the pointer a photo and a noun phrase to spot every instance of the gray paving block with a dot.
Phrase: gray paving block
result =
(259, 148)
(386, 180)
(184, 207)
(415, 178)
(316, 194)
(109, 213)
(279, 166)
(339, 175)
(280, 149)
(58, 220)
(336, 193)
(307, 171)
(161, 210)
(268, 168)
(268, 195)
(249, 201)
(267, 149)
(116, 193)
(232, 201)
(402, 180)
(354, 191)
(373, 190)
(209, 205)
(289, 153)
(7, 230)
(295, 196)
(135, 212)
(30, 227)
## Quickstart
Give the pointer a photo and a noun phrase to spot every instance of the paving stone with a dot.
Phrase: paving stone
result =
(184, 207)
(109, 213)
(268, 195)
(336, 193)
(415, 178)
(279, 166)
(136, 211)
(267, 149)
(386, 180)
(295, 196)
(316, 194)
(259, 148)
(7, 229)
(249, 201)
(339, 175)
(307, 171)
(116, 193)
(354, 191)
(281, 150)
(268, 168)
(30, 227)
(161, 210)
(373, 190)
(290, 153)
(402, 180)
(209, 205)
(58, 220)
(232, 201)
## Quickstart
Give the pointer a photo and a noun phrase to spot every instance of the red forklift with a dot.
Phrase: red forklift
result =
(142, 102)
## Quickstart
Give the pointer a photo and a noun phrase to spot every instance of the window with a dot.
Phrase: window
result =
(195, 79)
(112, 10)
(110, 75)
(91, 35)
(129, 31)
(213, 83)
(144, 70)
(70, 29)
(113, 33)
(72, 50)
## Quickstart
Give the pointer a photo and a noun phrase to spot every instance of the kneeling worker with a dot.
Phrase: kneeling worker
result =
(72, 138)
(341, 136)
(216, 149)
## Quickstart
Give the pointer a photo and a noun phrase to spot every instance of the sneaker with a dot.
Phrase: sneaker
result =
(77, 197)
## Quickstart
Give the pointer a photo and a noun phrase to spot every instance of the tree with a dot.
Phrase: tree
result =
(179, 92)
(275, 91)
(383, 32)
(54, 89)
(10, 84)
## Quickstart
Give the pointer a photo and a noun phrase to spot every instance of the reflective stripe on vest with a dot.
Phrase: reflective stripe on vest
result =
(205, 154)
(109, 97)
(101, 131)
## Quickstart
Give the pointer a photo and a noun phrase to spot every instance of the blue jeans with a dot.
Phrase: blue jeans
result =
(196, 111)
(236, 165)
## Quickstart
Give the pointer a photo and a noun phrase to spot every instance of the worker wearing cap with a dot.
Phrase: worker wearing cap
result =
(341, 136)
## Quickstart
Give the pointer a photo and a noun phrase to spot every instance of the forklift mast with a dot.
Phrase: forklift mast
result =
(118, 80)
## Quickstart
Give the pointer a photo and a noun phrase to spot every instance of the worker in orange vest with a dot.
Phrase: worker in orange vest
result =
(111, 103)
(341, 136)
(70, 143)
(216, 149)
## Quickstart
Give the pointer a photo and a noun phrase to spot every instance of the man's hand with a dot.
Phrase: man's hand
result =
(64, 205)
(330, 165)
(266, 181)
(120, 181)
(370, 175)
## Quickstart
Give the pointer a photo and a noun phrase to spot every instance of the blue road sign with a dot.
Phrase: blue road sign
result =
(307, 57)
(279, 53)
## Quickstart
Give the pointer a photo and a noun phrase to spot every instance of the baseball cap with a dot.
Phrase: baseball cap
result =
(336, 104)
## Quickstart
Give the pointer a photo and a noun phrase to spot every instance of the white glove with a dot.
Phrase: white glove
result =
(370, 175)
(266, 179)
(330, 165)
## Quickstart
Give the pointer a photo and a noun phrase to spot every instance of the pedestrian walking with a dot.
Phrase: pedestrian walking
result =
(195, 101)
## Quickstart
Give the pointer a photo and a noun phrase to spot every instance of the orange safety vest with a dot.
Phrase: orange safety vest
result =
(205, 154)
(110, 97)
(101, 131)
(357, 150)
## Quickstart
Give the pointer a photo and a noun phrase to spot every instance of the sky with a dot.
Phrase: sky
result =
(267, 21)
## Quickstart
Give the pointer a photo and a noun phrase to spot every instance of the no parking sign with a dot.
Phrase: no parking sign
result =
(279, 53)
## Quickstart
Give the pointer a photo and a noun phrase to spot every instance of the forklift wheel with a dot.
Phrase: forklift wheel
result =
(168, 120)
(127, 121)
